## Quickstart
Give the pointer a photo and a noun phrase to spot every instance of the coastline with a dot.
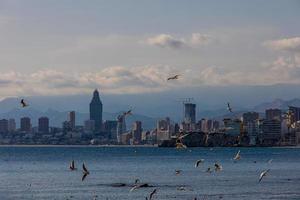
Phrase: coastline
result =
(132, 146)
(85, 146)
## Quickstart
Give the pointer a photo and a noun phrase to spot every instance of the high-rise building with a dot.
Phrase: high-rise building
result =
(96, 110)
(72, 119)
(3, 126)
(121, 127)
(43, 125)
(89, 125)
(137, 132)
(110, 127)
(190, 113)
(273, 114)
(25, 124)
(252, 131)
(11, 125)
(249, 117)
(269, 131)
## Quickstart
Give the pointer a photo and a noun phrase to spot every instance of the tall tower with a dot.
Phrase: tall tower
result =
(96, 111)
(72, 119)
(190, 113)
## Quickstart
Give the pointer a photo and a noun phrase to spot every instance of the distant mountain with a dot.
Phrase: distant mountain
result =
(211, 103)
(277, 103)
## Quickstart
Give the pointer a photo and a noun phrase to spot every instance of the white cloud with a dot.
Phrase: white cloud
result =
(286, 44)
(169, 41)
(144, 79)
(117, 79)
(200, 39)
(164, 40)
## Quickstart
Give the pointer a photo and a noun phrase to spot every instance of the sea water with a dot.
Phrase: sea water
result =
(43, 173)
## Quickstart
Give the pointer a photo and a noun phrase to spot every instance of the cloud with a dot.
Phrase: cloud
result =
(286, 44)
(164, 40)
(144, 79)
(117, 79)
(200, 39)
(169, 41)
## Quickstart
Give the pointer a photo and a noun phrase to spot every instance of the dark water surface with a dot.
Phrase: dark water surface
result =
(42, 173)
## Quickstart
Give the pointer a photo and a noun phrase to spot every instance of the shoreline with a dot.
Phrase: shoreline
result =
(128, 146)
(75, 145)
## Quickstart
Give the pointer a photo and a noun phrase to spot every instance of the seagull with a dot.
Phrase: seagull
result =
(229, 107)
(23, 103)
(209, 170)
(237, 156)
(129, 112)
(264, 173)
(85, 172)
(136, 181)
(199, 162)
(152, 193)
(270, 161)
(72, 165)
(135, 187)
(173, 77)
(178, 171)
(218, 167)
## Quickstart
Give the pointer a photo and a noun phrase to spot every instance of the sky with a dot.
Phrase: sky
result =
(59, 47)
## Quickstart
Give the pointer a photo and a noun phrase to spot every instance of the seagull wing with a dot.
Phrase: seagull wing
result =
(237, 156)
(152, 193)
(198, 162)
(84, 176)
(134, 188)
(84, 169)
(261, 176)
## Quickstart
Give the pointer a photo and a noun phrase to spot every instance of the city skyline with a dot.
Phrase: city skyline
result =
(277, 127)
(242, 44)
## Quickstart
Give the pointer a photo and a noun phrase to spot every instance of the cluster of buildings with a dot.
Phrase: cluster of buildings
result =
(275, 128)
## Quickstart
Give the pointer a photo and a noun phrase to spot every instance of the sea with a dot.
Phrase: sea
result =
(43, 172)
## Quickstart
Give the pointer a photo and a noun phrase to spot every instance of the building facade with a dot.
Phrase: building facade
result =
(72, 119)
(25, 124)
(3, 126)
(274, 114)
(96, 110)
(43, 125)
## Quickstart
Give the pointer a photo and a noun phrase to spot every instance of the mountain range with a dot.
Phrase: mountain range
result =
(148, 108)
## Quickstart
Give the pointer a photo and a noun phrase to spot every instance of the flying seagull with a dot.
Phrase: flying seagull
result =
(137, 181)
(135, 187)
(237, 156)
(199, 162)
(229, 107)
(178, 171)
(23, 103)
(173, 77)
(129, 112)
(264, 173)
(72, 165)
(85, 172)
(218, 167)
(209, 170)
